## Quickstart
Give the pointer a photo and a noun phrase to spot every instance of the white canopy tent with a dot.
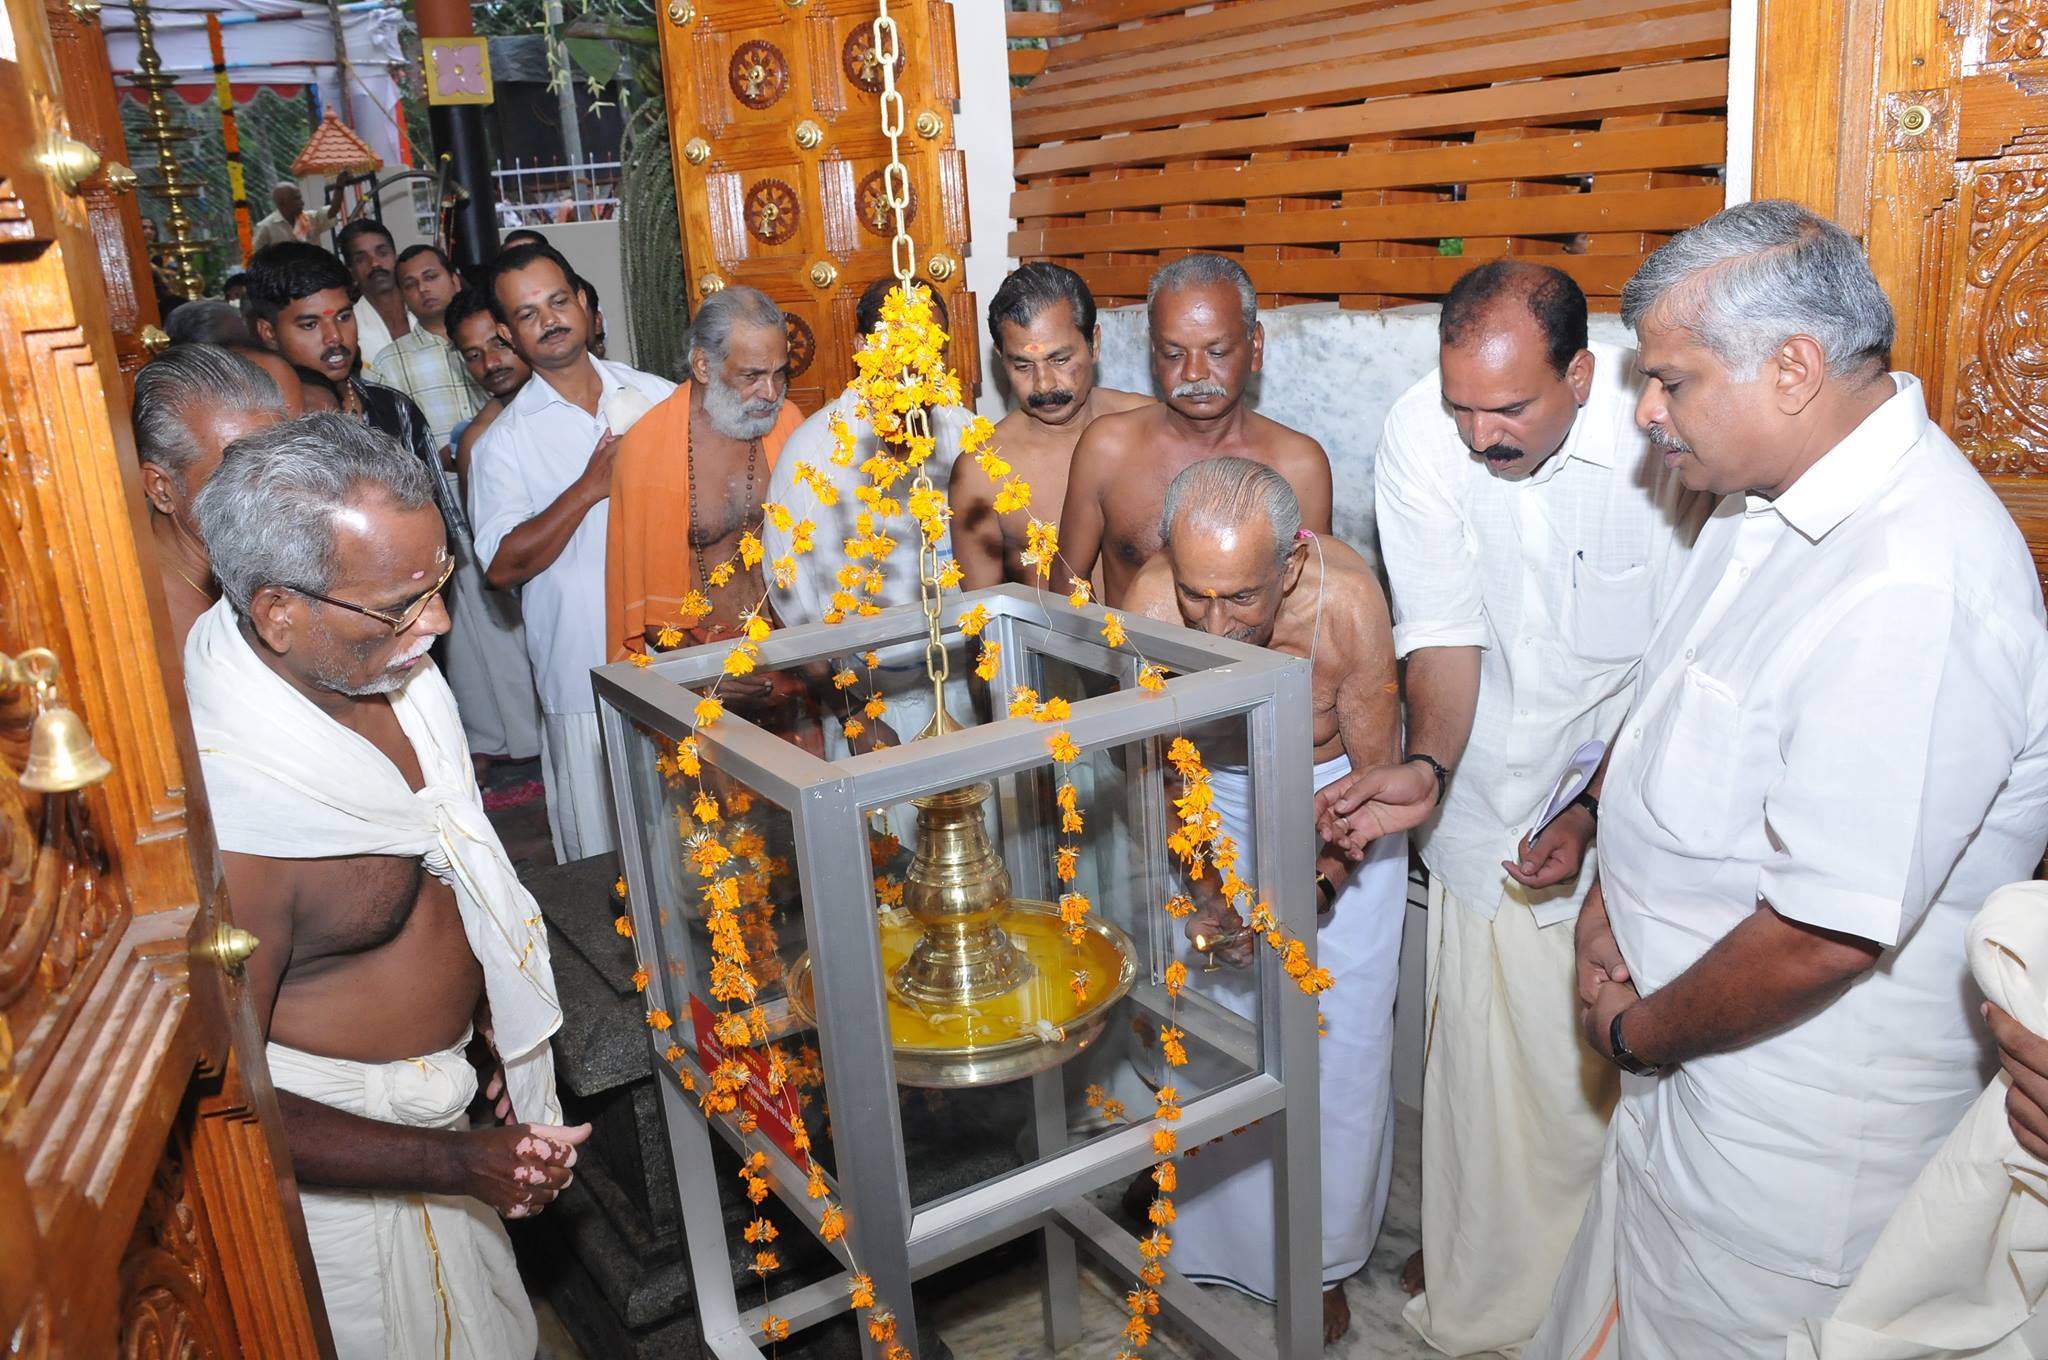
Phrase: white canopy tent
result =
(280, 43)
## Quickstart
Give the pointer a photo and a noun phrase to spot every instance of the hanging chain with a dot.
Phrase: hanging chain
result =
(903, 262)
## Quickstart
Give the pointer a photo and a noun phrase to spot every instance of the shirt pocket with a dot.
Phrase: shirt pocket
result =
(1611, 612)
(1689, 768)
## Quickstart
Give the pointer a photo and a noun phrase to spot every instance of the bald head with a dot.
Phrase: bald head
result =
(286, 198)
(1231, 528)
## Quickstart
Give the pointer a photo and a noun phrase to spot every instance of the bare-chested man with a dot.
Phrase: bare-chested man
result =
(391, 923)
(191, 403)
(1206, 344)
(1236, 563)
(1043, 323)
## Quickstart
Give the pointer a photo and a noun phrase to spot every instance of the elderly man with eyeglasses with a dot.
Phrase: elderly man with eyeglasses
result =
(398, 951)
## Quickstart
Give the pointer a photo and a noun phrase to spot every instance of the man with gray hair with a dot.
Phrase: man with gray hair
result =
(393, 928)
(700, 460)
(190, 403)
(1206, 344)
(1838, 748)
(1236, 563)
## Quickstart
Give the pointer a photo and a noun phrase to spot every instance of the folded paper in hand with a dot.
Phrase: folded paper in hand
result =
(1573, 782)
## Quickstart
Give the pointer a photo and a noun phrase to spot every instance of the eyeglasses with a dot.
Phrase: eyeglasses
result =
(398, 622)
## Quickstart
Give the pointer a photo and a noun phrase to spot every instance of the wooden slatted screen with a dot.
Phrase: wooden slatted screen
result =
(1367, 151)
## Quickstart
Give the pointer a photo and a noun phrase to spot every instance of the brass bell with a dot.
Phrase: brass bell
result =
(227, 947)
(61, 755)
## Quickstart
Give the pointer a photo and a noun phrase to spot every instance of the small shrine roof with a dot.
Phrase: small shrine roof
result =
(334, 150)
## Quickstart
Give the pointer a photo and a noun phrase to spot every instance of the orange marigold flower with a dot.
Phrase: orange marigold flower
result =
(658, 1019)
(765, 1261)
(1113, 630)
(669, 638)
(1063, 749)
(775, 1328)
(641, 659)
(845, 680)
(950, 575)
(624, 925)
(1082, 592)
(882, 1326)
(1153, 1274)
(760, 1230)
(705, 808)
(1065, 859)
(1164, 1142)
(1053, 710)
(855, 728)
(1167, 1177)
(1176, 977)
(708, 712)
(875, 706)
(1178, 906)
(862, 1290)
(1170, 1037)
(1151, 679)
(974, 620)
(815, 1186)
(640, 978)
(740, 660)
(832, 1226)
(889, 892)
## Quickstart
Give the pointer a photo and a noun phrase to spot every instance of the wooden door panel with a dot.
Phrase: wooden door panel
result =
(779, 104)
(139, 1149)
(1936, 156)
(86, 78)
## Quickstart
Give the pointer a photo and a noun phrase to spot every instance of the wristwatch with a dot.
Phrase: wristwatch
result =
(1589, 803)
(1624, 1056)
(1443, 776)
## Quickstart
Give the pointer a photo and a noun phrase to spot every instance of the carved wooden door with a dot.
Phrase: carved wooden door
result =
(1923, 128)
(108, 194)
(774, 118)
(146, 1208)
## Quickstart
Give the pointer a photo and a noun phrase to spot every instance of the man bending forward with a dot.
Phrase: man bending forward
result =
(1237, 564)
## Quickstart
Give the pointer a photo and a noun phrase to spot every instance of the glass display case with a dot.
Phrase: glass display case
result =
(917, 957)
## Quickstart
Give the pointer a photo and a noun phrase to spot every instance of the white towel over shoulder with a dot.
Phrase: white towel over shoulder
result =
(285, 781)
(1961, 1267)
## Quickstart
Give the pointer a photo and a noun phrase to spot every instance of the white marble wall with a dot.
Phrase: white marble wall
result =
(1328, 372)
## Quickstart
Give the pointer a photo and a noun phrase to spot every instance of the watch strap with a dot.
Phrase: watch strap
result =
(1624, 1056)
(1589, 803)
(1436, 767)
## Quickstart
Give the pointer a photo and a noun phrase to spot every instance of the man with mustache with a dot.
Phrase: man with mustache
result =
(1531, 535)
(538, 480)
(367, 248)
(701, 461)
(398, 946)
(486, 658)
(1206, 344)
(1237, 564)
(491, 362)
(191, 402)
(1043, 322)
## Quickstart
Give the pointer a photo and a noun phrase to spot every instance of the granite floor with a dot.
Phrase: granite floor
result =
(1000, 1320)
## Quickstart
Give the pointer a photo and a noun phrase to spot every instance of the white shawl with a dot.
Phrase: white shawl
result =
(287, 782)
(1962, 1266)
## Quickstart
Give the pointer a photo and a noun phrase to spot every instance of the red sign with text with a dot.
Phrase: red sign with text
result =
(768, 1110)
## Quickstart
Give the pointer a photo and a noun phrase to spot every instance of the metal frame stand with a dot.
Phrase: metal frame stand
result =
(895, 1241)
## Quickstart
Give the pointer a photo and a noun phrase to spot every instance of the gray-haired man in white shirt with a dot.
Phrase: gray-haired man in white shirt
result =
(1838, 748)
(1531, 535)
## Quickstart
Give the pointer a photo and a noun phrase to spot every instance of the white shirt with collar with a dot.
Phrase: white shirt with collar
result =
(1844, 713)
(1557, 578)
(536, 447)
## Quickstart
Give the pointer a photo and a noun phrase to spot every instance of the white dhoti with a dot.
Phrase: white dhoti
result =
(1640, 1283)
(1224, 1231)
(408, 1276)
(579, 787)
(488, 670)
(1515, 1108)
(286, 781)
(1962, 1266)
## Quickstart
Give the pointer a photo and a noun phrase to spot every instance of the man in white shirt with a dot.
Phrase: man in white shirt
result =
(900, 678)
(289, 220)
(1839, 746)
(535, 479)
(1531, 534)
